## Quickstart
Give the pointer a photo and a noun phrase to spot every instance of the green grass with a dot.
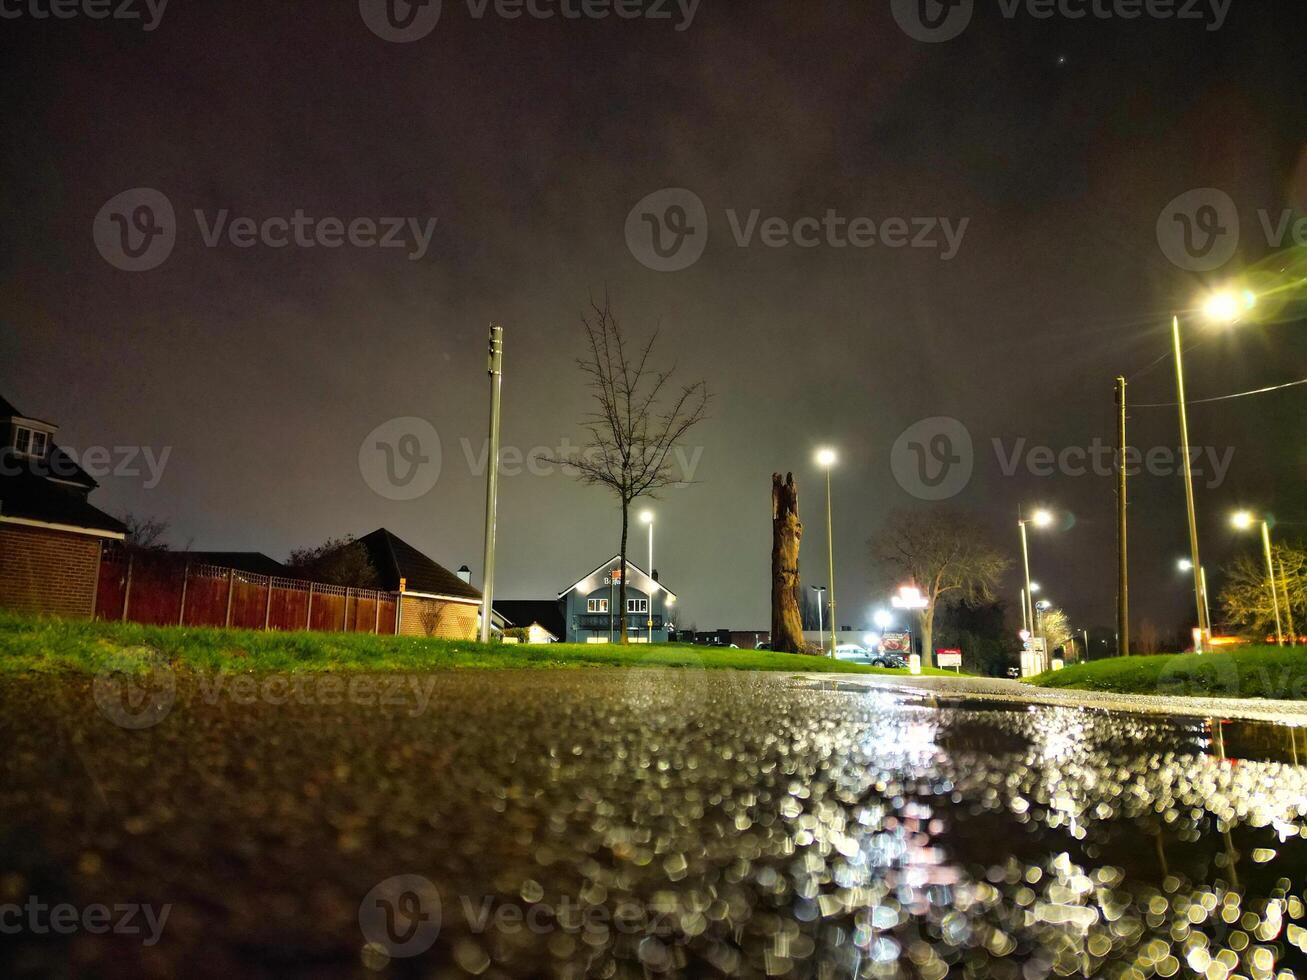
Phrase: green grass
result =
(57, 645)
(1245, 672)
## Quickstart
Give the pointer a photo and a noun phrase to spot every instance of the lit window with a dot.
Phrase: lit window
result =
(596, 605)
(637, 605)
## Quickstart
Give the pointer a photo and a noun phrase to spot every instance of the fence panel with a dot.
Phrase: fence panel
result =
(206, 597)
(110, 589)
(166, 590)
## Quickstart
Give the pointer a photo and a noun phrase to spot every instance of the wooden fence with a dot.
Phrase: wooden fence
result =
(167, 590)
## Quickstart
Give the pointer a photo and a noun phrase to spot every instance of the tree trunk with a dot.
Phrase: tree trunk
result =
(621, 585)
(787, 531)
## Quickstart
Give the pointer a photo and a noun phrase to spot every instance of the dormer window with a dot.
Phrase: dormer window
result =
(31, 442)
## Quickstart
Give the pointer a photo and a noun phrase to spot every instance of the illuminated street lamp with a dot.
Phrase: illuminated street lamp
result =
(647, 517)
(882, 619)
(826, 459)
(1223, 307)
(1040, 518)
(1244, 521)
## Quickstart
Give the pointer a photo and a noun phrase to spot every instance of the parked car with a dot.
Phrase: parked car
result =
(895, 661)
(763, 646)
(851, 652)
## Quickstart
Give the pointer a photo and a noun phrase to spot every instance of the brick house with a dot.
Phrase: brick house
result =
(50, 535)
(433, 601)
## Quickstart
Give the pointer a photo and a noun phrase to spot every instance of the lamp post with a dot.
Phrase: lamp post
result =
(1221, 307)
(495, 368)
(648, 518)
(826, 459)
(1185, 565)
(819, 589)
(1040, 518)
(1243, 520)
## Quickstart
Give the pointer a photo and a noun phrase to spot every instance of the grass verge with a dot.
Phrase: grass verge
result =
(55, 645)
(1245, 672)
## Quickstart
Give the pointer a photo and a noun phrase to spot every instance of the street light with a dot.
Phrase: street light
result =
(647, 517)
(826, 459)
(1244, 521)
(1040, 518)
(821, 630)
(1223, 307)
(882, 619)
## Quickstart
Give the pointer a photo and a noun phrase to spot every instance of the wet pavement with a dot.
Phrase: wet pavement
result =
(637, 823)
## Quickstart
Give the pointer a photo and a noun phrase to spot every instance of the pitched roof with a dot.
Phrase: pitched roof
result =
(523, 612)
(394, 558)
(649, 583)
(255, 562)
(31, 498)
(57, 464)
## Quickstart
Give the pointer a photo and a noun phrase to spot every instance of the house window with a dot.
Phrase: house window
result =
(29, 442)
(596, 639)
(637, 605)
(596, 605)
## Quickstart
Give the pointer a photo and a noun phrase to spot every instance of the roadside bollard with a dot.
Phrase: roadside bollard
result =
(914, 663)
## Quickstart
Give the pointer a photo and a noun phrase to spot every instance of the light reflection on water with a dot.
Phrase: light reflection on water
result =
(761, 825)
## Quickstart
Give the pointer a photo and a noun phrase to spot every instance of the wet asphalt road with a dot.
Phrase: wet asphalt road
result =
(638, 823)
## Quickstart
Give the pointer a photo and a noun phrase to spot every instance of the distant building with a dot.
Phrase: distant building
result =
(433, 601)
(50, 535)
(590, 612)
(541, 618)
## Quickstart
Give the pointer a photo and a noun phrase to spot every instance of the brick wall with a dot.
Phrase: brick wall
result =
(48, 571)
(445, 620)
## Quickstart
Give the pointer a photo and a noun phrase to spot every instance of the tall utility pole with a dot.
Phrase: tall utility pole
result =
(496, 370)
(1204, 628)
(1123, 564)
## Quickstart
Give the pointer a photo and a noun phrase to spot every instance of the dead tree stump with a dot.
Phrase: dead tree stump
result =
(787, 530)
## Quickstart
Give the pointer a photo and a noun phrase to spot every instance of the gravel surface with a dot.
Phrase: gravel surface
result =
(633, 824)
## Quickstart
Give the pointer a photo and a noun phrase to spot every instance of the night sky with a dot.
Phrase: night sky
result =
(1055, 144)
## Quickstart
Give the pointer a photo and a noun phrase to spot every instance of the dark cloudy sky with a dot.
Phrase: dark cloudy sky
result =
(1059, 141)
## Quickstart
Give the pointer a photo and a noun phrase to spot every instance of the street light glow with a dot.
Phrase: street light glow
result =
(1042, 518)
(1034, 587)
(646, 516)
(1228, 305)
(1185, 565)
(826, 457)
(1242, 520)
(882, 619)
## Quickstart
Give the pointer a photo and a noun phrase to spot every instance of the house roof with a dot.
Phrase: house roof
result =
(523, 612)
(57, 464)
(643, 580)
(396, 559)
(25, 497)
(255, 562)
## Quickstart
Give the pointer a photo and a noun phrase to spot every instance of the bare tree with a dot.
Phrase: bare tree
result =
(638, 420)
(944, 554)
(1149, 638)
(1246, 597)
(145, 533)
